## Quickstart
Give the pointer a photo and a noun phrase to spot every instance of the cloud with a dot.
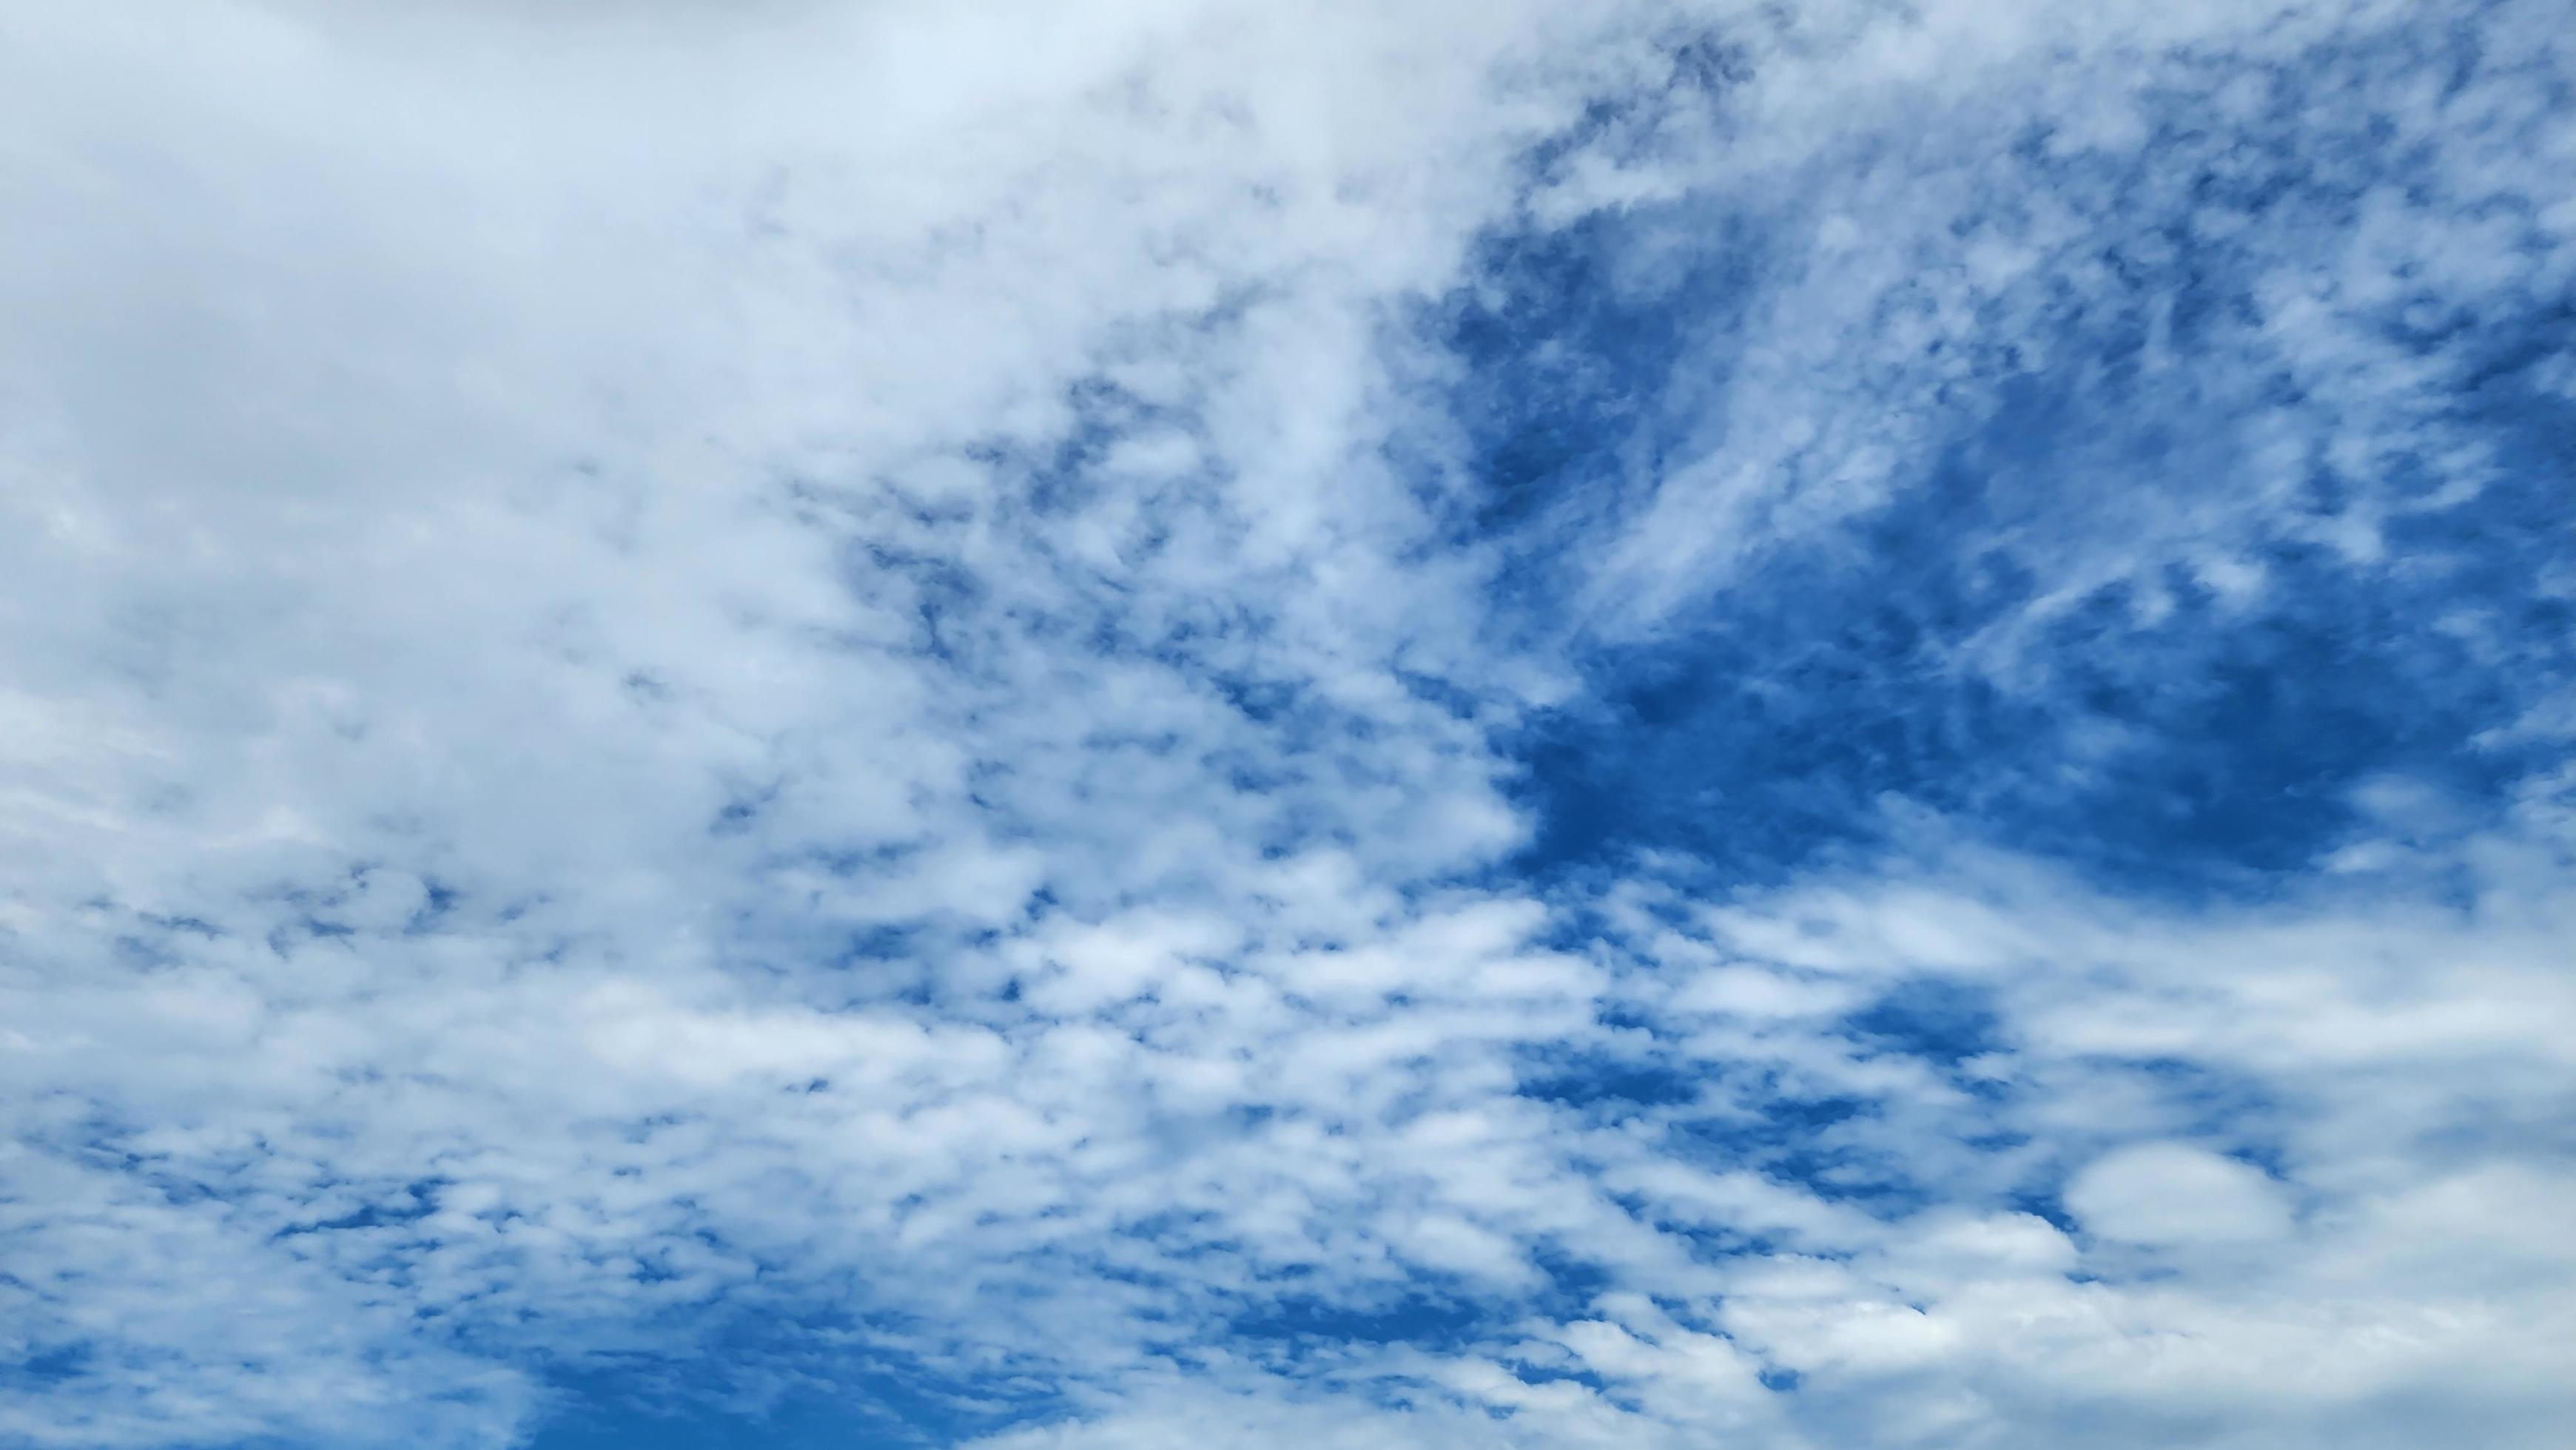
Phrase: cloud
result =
(1503, 724)
(2169, 1193)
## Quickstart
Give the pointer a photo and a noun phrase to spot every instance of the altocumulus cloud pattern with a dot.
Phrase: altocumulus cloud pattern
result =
(1345, 726)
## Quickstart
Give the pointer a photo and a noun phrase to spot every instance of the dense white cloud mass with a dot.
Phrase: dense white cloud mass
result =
(2169, 1195)
(843, 704)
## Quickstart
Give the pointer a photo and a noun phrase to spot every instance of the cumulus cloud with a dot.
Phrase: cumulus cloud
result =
(2169, 1193)
(1357, 726)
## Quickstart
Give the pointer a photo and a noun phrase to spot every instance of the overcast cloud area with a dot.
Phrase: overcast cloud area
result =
(1341, 726)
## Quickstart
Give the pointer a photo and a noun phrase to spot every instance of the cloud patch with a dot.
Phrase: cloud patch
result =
(1503, 724)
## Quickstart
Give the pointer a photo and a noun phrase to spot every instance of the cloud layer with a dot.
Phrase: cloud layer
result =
(1351, 726)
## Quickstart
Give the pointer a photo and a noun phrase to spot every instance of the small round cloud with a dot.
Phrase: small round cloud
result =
(2172, 1194)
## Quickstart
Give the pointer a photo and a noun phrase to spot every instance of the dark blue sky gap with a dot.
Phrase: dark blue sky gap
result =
(1767, 724)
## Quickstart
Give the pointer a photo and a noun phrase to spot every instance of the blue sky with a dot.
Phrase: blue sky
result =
(1172, 723)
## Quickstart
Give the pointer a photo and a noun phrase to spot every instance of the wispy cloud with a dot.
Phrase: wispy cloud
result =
(1175, 723)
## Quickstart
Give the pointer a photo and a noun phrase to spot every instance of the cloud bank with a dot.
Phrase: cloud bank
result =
(1178, 723)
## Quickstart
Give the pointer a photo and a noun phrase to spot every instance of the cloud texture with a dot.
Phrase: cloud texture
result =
(1175, 723)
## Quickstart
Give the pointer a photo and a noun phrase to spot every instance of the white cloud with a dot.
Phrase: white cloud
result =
(664, 666)
(2175, 1194)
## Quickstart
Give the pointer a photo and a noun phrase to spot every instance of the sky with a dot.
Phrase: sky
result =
(1172, 723)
